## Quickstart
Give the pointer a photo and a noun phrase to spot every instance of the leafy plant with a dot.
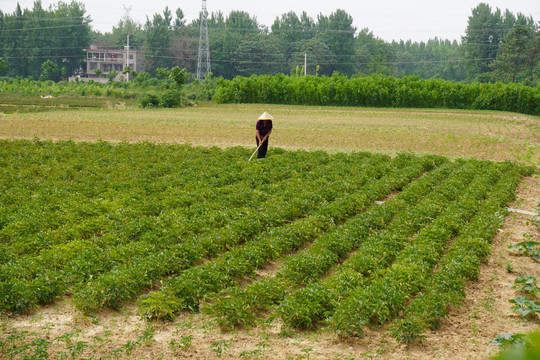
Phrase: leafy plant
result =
(220, 346)
(528, 248)
(182, 344)
(525, 307)
(518, 346)
(527, 284)
(507, 339)
(149, 100)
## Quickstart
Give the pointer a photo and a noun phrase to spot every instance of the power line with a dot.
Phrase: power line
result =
(44, 28)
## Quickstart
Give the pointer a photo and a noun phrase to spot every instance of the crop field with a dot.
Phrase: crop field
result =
(123, 234)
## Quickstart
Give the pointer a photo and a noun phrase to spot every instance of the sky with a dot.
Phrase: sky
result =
(416, 20)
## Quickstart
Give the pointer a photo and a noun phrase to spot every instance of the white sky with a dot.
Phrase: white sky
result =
(416, 20)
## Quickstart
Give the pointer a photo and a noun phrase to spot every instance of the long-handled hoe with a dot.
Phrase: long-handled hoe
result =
(257, 149)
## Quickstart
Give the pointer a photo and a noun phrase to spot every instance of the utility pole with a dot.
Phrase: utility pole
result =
(127, 59)
(305, 64)
(203, 61)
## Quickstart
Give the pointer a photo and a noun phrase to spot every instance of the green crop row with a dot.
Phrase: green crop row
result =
(306, 307)
(73, 213)
(238, 307)
(460, 263)
(105, 223)
(186, 291)
(385, 296)
(296, 200)
(59, 266)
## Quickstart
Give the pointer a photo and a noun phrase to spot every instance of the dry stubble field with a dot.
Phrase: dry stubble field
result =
(479, 134)
(484, 314)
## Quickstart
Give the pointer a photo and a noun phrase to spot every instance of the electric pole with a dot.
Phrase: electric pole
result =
(127, 60)
(203, 61)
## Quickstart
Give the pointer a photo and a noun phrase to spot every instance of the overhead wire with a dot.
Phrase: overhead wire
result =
(315, 29)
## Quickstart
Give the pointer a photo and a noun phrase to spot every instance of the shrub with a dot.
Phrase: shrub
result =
(149, 100)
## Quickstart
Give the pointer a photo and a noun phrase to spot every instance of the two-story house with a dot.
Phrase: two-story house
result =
(107, 60)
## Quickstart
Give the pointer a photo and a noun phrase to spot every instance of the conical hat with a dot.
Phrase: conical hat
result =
(265, 116)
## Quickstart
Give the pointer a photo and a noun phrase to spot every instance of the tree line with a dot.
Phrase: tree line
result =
(48, 43)
(378, 90)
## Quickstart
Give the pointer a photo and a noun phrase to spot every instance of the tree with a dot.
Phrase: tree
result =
(373, 54)
(337, 32)
(49, 71)
(3, 65)
(179, 76)
(242, 21)
(180, 21)
(483, 36)
(158, 40)
(481, 40)
(293, 31)
(260, 54)
(117, 39)
(112, 75)
(518, 56)
(320, 58)
(226, 36)
(30, 37)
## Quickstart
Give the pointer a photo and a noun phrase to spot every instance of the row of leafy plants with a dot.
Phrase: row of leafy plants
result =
(378, 91)
(308, 266)
(312, 304)
(387, 265)
(77, 217)
(295, 201)
(187, 290)
(106, 223)
(385, 296)
(337, 90)
(459, 264)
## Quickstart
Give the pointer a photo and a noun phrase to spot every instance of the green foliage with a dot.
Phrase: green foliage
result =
(170, 99)
(525, 307)
(179, 76)
(243, 47)
(409, 329)
(527, 284)
(49, 71)
(106, 223)
(518, 346)
(149, 100)
(183, 343)
(220, 347)
(378, 91)
(3, 65)
(31, 36)
(527, 248)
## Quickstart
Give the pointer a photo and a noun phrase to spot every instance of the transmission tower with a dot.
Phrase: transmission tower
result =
(203, 61)
(127, 11)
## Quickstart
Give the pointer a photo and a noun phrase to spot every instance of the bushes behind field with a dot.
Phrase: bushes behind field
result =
(379, 91)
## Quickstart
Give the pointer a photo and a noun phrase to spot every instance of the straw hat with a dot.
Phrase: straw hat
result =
(265, 116)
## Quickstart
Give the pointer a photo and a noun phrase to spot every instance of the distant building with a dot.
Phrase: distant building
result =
(107, 60)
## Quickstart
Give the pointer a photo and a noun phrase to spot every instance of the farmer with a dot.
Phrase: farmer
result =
(263, 129)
